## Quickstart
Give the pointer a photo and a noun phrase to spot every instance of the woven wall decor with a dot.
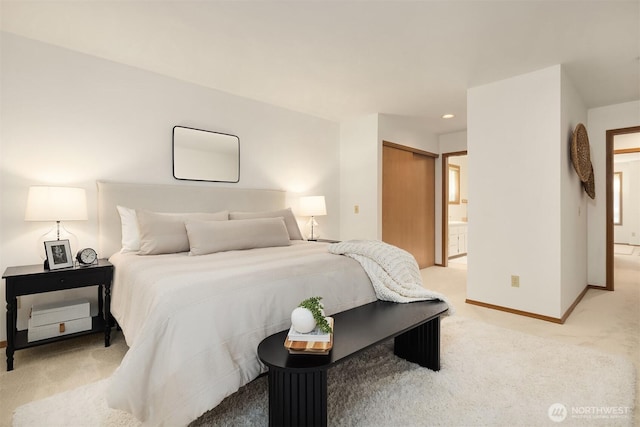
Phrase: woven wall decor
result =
(580, 153)
(581, 159)
(590, 185)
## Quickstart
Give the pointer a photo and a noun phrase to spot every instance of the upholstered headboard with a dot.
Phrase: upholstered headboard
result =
(173, 198)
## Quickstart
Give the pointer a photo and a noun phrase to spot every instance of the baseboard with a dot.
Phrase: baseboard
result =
(514, 311)
(560, 320)
(3, 344)
(575, 303)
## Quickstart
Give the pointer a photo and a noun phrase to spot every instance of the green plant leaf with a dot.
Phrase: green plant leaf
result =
(314, 305)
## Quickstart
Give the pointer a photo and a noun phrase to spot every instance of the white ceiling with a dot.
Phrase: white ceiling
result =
(342, 59)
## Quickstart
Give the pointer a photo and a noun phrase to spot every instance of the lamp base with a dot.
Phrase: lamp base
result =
(313, 230)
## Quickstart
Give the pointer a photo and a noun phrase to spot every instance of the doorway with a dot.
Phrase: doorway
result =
(454, 208)
(614, 219)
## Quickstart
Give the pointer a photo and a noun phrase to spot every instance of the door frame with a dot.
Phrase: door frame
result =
(445, 203)
(609, 200)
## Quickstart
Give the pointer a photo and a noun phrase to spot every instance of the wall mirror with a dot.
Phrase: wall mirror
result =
(454, 184)
(200, 155)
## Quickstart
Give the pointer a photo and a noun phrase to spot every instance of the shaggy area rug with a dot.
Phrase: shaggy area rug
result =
(489, 376)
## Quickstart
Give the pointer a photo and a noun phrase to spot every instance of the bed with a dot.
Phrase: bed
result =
(193, 322)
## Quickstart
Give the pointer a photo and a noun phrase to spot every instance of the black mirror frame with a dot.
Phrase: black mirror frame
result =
(173, 154)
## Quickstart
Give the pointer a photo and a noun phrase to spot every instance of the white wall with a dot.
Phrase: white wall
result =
(573, 200)
(629, 164)
(359, 158)
(453, 142)
(629, 231)
(408, 131)
(600, 120)
(517, 130)
(72, 119)
(361, 167)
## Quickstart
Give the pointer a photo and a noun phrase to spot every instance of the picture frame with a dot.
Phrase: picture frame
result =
(58, 254)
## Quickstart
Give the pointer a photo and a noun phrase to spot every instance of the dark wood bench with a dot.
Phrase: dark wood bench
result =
(298, 383)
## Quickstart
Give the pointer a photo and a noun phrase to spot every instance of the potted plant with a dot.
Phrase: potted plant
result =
(308, 315)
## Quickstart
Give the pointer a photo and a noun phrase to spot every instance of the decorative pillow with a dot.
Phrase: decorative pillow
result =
(206, 237)
(130, 231)
(289, 220)
(165, 233)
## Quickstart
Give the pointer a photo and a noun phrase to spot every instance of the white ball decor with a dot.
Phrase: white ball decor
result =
(302, 320)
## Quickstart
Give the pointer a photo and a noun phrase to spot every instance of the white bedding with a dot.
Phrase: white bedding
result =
(193, 323)
(394, 272)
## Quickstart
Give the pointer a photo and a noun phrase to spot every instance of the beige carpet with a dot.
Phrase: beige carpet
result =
(489, 375)
(623, 249)
(458, 260)
(606, 321)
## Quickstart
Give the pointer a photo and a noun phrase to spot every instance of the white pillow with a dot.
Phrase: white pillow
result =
(130, 231)
(165, 233)
(206, 237)
(287, 214)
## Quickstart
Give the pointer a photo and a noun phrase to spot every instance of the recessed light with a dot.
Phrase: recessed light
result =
(448, 116)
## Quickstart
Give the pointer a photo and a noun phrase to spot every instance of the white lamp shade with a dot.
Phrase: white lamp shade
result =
(312, 206)
(56, 204)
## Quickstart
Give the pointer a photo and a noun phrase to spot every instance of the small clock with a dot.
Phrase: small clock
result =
(86, 256)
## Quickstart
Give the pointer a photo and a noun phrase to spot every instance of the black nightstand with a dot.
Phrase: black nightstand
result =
(34, 279)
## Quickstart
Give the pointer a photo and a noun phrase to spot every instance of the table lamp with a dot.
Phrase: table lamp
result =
(313, 206)
(56, 204)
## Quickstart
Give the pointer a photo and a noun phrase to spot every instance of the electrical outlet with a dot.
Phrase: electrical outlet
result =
(515, 281)
(356, 209)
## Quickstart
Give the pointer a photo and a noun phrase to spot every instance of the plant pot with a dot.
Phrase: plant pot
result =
(302, 320)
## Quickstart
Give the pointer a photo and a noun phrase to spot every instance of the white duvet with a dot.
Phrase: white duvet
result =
(193, 323)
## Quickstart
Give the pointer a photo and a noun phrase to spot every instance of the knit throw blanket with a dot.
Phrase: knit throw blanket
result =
(393, 272)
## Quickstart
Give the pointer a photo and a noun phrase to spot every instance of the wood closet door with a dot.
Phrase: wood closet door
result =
(408, 203)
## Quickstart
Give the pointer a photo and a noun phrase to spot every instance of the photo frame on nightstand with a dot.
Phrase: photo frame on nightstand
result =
(58, 254)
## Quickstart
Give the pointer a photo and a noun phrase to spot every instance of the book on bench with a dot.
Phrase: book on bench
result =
(319, 347)
(317, 335)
